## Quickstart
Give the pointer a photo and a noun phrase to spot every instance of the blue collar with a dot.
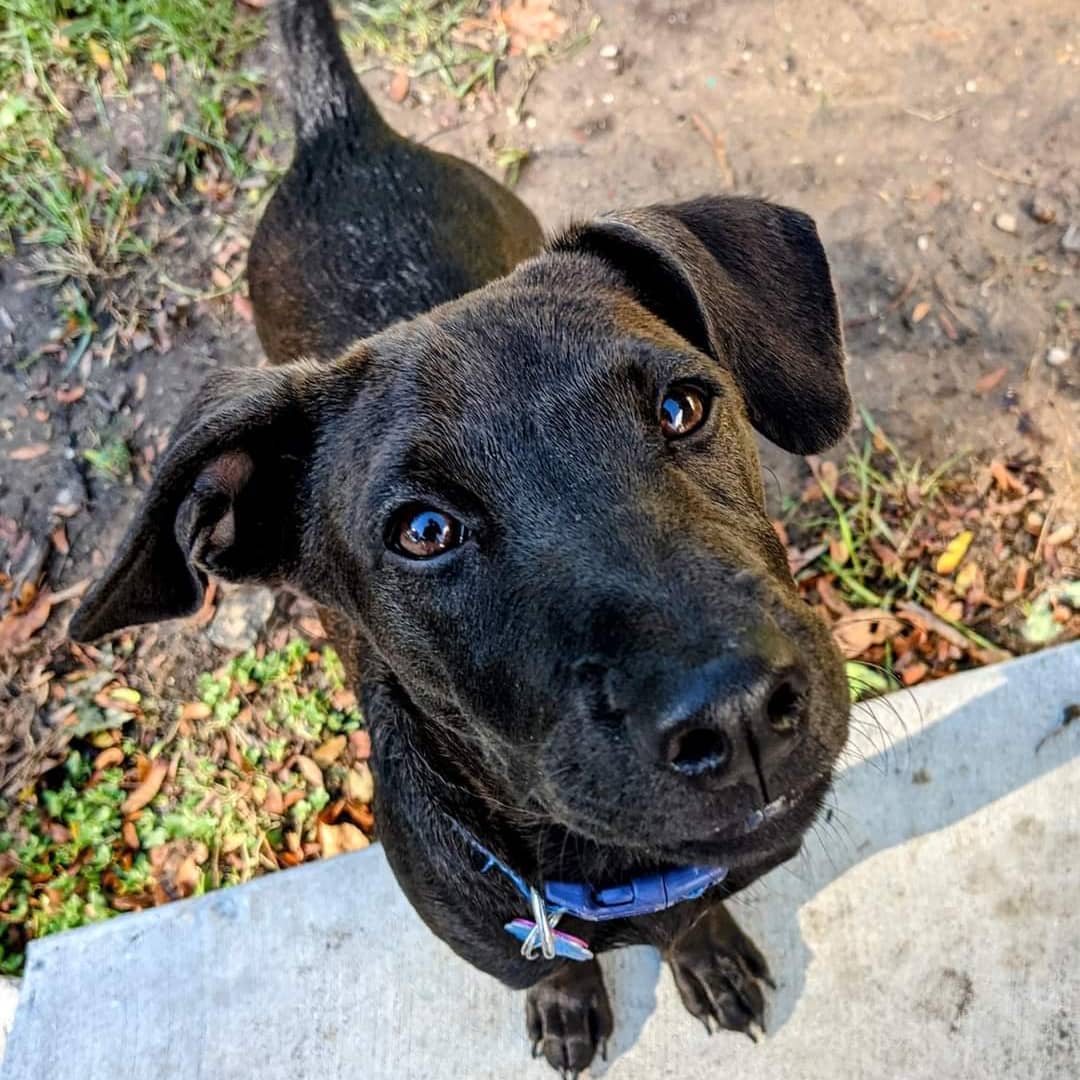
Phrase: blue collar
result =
(639, 896)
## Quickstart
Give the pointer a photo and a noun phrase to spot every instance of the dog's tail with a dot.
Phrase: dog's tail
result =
(323, 87)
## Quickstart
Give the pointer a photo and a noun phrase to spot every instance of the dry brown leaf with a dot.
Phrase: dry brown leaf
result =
(18, 628)
(920, 311)
(360, 784)
(988, 382)
(309, 770)
(360, 741)
(1005, 479)
(330, 751)
(195, 710)
(337, 839)
(109, 757)
(857, 632)
(29, 452)
(530, 23)
(149, 787)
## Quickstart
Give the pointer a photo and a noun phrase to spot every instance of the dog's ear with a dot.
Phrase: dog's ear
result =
(227, 499)
(747, 282)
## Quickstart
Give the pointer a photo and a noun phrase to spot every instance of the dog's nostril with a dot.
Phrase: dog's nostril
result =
(698, 751)
(784, 707)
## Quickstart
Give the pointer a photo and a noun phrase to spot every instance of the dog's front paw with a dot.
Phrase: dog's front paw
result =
(718, 971)
(569, 1017)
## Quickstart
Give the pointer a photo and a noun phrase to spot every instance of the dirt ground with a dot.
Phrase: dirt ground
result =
(935, 144)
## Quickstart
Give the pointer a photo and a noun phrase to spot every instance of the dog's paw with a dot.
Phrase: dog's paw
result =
(569, 1017)
(719, 972)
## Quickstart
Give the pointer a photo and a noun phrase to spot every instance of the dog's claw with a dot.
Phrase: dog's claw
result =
(569, 1018)
(717, 970)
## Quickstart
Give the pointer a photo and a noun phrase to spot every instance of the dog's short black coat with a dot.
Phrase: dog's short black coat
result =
(434, 352)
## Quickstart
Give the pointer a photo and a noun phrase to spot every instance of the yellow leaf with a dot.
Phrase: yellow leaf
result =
(157, 69)
(952, 556)
(99, 55)
(966, 578)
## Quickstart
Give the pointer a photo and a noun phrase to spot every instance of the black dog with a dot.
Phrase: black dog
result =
(535, 517)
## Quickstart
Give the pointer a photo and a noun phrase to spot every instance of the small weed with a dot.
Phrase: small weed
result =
(264, 770)
(111, 460)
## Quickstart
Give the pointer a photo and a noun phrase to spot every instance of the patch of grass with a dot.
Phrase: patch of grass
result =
(925, 570)
(84, 213)
(265, 769)
(456, 41)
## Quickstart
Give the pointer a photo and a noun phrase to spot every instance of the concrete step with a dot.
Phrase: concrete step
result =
(931, 929)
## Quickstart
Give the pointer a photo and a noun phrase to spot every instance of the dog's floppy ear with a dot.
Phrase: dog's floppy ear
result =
(747, 282)
(227, 499)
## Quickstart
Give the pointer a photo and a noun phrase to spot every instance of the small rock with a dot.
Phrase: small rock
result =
(923, 243)
(398, 89)
(971, 86)
(1041, 210)
(1005, 222)
(239, 617)
(1057, 356)
(1071, 240)
(609, 52)
(141, 341)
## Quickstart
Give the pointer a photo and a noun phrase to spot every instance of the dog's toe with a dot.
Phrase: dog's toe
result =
(569, 1017)
(718, 971)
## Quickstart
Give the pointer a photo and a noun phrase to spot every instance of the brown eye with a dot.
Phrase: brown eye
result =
(682, 410)
(422, 532)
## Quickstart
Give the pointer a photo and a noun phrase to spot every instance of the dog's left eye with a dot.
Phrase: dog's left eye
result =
(422, 532)
(682, 410)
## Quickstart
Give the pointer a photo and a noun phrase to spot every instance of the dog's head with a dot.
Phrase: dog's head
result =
(541, 506)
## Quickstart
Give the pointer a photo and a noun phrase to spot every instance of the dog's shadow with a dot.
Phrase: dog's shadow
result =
(916, 766)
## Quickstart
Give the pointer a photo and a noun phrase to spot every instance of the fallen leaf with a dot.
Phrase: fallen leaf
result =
(195, 710)
(130, 835)
(99, 55)
(338, 839)
(966, 578)
(988, 382)
(18, 628)
(914, 673)
(157, 69)
(360, 784)
(330, 751)
(398, 89)
(920, 311)
(220, 278)
(838, 552)
(857, 632)
(109, 757)
(309, 771)
(149, 787)
(530, 23)
(273, 803)
(953, 555)
(360, 741)
(1005, 479)
(29, 453)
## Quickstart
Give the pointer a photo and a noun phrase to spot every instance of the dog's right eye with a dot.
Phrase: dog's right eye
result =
(422, 532)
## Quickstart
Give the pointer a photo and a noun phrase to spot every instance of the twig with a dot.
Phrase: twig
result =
(963, 637)
(1001, 174)
(1045, 529)
(933, 118)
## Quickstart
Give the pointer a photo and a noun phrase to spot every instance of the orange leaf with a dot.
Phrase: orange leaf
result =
(28, 453)
(857, 632)
(150, 786)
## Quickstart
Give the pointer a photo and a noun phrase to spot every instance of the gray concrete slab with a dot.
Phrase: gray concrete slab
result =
(931, 929)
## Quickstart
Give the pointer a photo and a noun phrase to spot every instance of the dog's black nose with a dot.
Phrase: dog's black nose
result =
(732, 717)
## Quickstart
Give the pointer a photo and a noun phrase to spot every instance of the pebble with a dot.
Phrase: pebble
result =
(609, 52)
(923, 243)
(1071, 240)
(1057, 356)
(1005, 222)
(1041, 210)
(239, 617)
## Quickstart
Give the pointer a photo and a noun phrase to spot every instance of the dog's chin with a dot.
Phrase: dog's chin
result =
(766, 834)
